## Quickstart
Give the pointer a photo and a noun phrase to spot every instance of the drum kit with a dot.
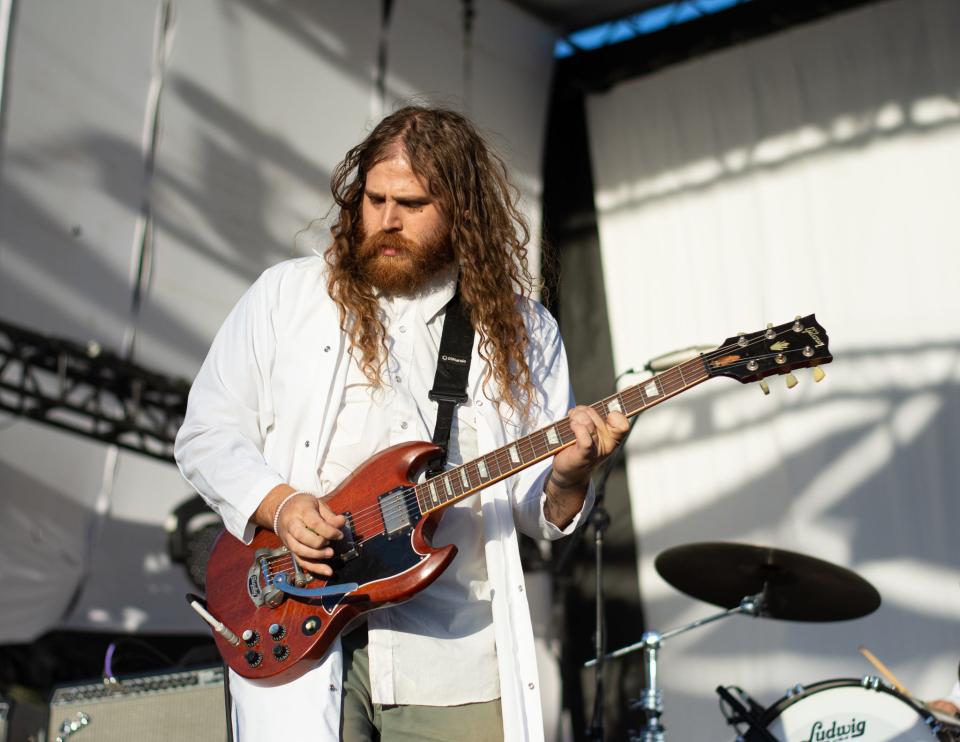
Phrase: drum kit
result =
(766, 582)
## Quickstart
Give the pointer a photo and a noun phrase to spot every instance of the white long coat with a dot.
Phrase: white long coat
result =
(260, 413)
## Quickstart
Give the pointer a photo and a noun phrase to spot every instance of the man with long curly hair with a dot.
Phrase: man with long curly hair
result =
(325, 362)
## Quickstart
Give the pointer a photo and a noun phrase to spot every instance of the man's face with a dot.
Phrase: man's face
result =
(406, 236)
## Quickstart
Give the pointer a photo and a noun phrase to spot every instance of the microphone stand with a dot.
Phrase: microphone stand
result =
(599, 518)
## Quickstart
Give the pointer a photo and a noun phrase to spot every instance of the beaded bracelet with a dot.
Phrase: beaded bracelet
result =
(284, 501)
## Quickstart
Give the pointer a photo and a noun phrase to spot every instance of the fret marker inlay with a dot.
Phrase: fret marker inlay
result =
(614, 405)
(446, 482)
(463, 478)
(552, 438)
(482, 468)
(433, 492)
(514, 455)
(651, 389)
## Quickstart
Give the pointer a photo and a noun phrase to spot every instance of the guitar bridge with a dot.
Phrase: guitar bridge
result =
(260, 587)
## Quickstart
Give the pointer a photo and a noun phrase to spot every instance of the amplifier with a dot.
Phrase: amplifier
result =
(185, 706)
(22, 721)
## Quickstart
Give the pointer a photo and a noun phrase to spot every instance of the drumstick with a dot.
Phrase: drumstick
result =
(884, 670)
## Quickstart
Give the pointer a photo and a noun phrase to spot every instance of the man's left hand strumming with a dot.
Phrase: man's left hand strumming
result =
(572, 468)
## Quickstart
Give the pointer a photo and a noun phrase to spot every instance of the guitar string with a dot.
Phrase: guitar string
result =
(368, 518)
(410, 495)
(402, 503)
(374, 514)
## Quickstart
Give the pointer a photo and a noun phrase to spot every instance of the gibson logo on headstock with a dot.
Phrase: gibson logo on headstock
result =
(814, 334)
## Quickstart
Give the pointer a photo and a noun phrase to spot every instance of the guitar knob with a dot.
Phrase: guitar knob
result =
(281, 652)
(253, 658)
(276, 631)
(791, 381)
(250, 637)
(818, 373)
(764, 386)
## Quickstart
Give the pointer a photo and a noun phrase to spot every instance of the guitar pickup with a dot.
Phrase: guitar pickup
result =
(395, 511)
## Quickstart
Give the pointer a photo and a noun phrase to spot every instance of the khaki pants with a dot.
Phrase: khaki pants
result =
(363, 721)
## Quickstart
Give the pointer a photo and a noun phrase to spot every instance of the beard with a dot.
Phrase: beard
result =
(411, 266)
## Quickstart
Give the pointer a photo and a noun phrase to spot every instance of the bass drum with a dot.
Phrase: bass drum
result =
(847, 709)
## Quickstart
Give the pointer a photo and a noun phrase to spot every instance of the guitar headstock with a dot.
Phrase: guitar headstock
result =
(777, 350)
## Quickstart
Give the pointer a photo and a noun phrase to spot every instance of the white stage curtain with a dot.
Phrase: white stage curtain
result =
(811, 171)
(258, 103)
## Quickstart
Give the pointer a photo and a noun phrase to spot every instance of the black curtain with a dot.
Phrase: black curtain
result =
(576, 296)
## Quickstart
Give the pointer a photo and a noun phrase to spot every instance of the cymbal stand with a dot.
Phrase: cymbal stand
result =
(651, 697)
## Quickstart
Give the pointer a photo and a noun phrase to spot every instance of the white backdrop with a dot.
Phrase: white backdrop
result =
(257, 103)
(812, 171)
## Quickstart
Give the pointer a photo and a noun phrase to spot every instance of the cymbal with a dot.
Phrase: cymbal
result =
(797, 587)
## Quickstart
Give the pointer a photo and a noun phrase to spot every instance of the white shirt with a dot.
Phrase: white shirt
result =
(954, 696)
(253, 423)
(449, 625)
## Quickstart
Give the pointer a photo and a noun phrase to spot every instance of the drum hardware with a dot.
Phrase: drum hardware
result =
(651, 697)
(777, 584)
(751, 714)
(884, 670)
(949, 724)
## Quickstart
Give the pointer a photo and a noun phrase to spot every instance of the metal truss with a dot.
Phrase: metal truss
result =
(90, 391)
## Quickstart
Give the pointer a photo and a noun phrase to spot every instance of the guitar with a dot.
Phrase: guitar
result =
(269, 614)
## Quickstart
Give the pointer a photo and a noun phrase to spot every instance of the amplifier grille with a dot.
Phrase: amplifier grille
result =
(183, 706)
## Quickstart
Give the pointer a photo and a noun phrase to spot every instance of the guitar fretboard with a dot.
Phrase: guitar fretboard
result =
(465, 480)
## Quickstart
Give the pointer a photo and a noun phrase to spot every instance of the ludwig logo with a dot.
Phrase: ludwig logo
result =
(836, 732)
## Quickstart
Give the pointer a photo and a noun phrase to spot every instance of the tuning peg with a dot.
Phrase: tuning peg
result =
(791, 381)
(797, 324)
(818, 373)
(770, 334)
(764, 386)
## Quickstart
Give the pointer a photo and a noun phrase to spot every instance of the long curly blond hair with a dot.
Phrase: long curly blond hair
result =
(488, 237)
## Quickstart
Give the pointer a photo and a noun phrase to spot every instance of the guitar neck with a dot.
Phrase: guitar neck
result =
(467, 479)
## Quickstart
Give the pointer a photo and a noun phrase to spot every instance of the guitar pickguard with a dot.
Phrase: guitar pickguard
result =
(378, 558)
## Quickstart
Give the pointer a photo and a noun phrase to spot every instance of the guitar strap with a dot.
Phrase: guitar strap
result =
(450, 382)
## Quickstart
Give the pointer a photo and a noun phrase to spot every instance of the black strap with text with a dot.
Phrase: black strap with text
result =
(450, 382)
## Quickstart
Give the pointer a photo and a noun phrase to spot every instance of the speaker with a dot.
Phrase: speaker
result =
(185, 706)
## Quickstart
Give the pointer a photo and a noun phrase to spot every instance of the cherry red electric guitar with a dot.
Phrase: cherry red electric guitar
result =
(269, 614)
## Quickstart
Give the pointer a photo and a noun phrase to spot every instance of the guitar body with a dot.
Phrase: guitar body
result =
(386, 551)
